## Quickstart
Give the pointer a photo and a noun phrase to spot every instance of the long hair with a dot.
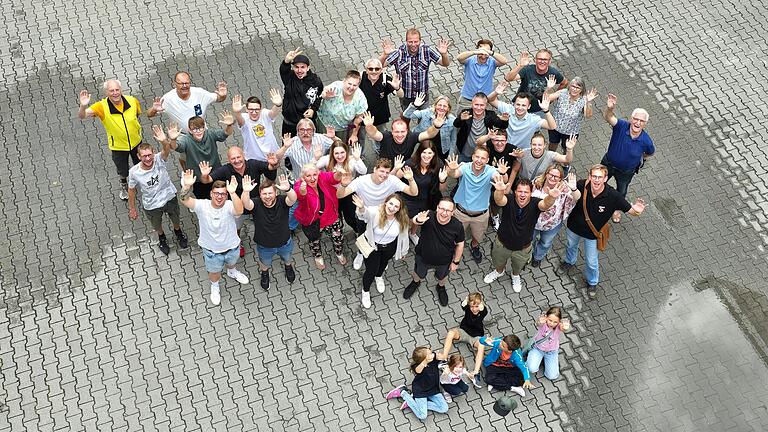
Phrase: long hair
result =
(401, 216)
(418, 356)
(539, 181)
(434, 167)
(332, 161)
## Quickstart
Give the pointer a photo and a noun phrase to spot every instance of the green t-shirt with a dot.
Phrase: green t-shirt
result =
(204, 150)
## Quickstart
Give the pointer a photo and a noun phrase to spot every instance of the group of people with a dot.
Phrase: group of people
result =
(348, 162)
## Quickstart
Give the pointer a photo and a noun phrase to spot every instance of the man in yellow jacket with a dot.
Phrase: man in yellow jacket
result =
(119, 114)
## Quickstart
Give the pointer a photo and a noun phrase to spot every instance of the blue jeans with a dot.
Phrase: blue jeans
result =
(541, 247)
(551, 362)
(292, 222)
(592, 270)
(623, 178)
(420, 406)
(266, 253)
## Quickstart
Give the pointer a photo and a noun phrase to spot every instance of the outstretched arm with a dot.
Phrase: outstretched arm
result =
(610, 105)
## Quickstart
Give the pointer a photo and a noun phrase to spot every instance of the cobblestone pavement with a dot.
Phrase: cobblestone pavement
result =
(100, 331)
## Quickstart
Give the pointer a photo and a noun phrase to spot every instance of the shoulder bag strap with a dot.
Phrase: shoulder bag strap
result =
(586, 214)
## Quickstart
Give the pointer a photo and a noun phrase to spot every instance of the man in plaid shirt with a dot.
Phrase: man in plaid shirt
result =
(412, 62)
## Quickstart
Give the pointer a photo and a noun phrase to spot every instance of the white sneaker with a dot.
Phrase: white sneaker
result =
(215, 295)
(414, 238)
(357, 264)
(448, 398)
(492, 276)
(518, 390)
(496, 220)
(124, 194)
(379, 284)
(236, 275)
(490, 388)
(517, 284)
(366, 299)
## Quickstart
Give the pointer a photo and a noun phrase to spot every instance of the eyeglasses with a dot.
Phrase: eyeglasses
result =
(553, 176)
(219, 194)
(445, 210)
(541, 59)
(305, 129)
(597, 177)
(183, 84)
(638, 119)
(374, 69)
(253, 109)
(197, 130)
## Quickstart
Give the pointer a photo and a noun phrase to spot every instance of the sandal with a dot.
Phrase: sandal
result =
(616, 217)
(319, 263)
(342, 259)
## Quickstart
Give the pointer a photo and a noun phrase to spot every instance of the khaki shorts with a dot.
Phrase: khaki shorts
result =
(477, 224)
(466, 338)
(518, 259)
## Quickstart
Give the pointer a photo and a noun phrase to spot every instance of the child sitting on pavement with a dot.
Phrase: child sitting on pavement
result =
(469, 331)
(504, 366)
(451, 378)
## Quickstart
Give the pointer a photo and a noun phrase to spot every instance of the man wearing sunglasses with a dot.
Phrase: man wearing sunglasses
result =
(377, 85)
(533, 77)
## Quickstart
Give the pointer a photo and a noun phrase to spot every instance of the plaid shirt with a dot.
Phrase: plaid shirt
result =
(413, 69)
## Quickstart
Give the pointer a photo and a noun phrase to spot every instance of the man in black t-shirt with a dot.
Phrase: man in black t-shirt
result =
(602, 200)
(399, 142)
(377, 85)
(239, 167)
(533, 77)
(519, 213)
(270, 215)
(440, 247)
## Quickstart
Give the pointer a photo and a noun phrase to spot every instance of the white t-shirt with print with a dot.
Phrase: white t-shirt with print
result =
(155, 186)
(258, 137)
(180, 111)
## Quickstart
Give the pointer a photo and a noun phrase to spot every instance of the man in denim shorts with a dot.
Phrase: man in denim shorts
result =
(218, 228)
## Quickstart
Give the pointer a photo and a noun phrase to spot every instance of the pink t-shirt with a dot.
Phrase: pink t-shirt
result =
(552, 343)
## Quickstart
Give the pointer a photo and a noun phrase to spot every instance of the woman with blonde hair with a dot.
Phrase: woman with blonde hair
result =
(552, 220)
(445, 141)
(387, 232)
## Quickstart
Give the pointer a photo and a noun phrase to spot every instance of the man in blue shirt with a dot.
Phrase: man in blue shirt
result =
(630, 145)
(479, 67)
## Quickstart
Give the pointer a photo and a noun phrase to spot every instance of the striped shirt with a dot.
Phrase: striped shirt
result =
(413, 69)
(300, 155)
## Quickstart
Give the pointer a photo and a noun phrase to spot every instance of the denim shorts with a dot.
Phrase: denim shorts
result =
(266, 253)
(214, 262)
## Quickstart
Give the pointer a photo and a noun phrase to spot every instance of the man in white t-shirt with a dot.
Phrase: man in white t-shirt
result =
(184, 102)
(158, 194)
(258, 136)
(217, 218)
(374, 188)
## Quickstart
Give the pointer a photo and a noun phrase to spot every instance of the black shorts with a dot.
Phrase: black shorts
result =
(421, 268)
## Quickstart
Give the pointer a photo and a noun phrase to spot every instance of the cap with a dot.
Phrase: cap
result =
(301, 58)
(504, 405)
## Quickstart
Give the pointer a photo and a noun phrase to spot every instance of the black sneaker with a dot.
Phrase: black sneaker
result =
(290, 274)
(565, 266)
(476, 253)
(591, 291)
(163, 245)
(535, 263)
(410, 289)
(265, 280)
(182, 239)
(442, 295)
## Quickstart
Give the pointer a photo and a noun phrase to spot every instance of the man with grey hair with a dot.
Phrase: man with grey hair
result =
(630, 145)
(119, 114)
(377, 85)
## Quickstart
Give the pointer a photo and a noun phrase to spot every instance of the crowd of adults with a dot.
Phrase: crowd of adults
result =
(343, 160)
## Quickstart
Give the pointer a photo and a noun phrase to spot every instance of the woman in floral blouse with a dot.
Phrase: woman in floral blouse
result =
(551, 220)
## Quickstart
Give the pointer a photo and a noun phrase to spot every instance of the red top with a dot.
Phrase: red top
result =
(309, 204)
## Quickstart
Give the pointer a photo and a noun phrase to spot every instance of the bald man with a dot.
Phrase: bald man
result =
(119, 114)
(630, 145)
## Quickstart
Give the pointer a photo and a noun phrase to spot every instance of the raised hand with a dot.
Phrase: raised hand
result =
(452, 162)
(501, 87)
(367, 119)
(357, 151)
(611, 102)
(308, 113)
(442, 46)
(287, 140)
(173, 131)
(517, 153)
(188, 179)
(465, 115)
(317, 151)
(157, 105)
(420, 98)
(292, 55)
(237, 103)
(339, 168)
(438, 121)
(282, 183)
(205, 169)
(555, 192)
(407, 173)
(272, 159)
(570, 144)
(498, 183)
(551, 81)
(571, 180)
(422, 217)
(85, 98)
(442, 176)
(502, 167)
(638, 205)
(330, 132)
(357, 201)
(504, 116)
(329, 92)
(227, 119)
(395, 81)
(525, 59)
(592, 95)
(399, 162)
(302, 187)
(387, 46)
(232, 185)
(221, 89)
(248, 184)
(275, 97)
(158, 134)
(544, 102)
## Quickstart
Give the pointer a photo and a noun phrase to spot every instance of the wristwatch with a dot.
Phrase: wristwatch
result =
(456, 262)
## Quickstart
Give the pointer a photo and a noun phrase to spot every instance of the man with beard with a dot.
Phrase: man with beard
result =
(475, 122)
(158, 194)
(302, 91)
(343, 106)
(399, 142)
(519, 213)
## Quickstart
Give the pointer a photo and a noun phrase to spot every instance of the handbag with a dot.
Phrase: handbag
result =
(533, 342)
(604, 234)
(364, 246)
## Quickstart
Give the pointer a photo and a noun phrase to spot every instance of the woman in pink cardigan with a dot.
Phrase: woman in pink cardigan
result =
(318, 210)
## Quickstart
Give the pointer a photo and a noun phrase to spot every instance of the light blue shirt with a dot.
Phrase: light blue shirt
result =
(478, 77)
(520, 131)
(474, 193)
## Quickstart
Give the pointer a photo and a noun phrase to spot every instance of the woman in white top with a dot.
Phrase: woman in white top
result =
(387, 232)
(339, 154)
